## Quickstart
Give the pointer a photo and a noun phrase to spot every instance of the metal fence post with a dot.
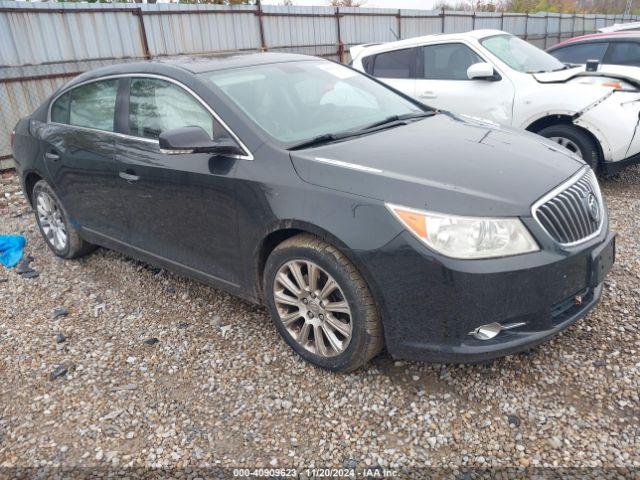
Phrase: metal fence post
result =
(143, 32)
(258, 12)
(399, 24)
(442, 23)
(340, 44)
(546, 30)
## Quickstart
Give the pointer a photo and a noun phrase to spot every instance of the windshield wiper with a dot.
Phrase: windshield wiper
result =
(394, 120)
(321, 140)
(400, 118)
(564, 67)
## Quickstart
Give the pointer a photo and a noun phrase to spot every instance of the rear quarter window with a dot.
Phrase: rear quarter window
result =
(367, 64)
(624, 53)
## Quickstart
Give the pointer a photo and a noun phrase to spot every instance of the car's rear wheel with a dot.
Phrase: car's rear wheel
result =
(321, 305)
(61, 237)
(576, 140)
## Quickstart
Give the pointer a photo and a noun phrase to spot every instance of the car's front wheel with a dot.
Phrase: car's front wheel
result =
(576, 140)
(321, 305)
(61, 237)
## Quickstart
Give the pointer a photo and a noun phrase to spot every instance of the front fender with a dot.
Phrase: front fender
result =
(614, 122)
(583, 122)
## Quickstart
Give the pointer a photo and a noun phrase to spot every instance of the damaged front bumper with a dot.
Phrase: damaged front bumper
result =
(611, 168)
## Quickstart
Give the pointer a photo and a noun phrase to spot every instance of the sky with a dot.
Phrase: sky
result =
(417, 4)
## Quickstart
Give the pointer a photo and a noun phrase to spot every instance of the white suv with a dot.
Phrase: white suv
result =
(492, 75)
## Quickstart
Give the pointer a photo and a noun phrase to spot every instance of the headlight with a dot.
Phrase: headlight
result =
(466, 237)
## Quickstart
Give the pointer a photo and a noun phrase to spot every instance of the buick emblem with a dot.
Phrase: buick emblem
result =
(592, 207)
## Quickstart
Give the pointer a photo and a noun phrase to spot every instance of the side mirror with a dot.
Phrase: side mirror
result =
(195, 140)
(482, 71)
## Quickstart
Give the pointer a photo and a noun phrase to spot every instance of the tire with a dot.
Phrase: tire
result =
(48, 210)
(360, 331)
(576, 140)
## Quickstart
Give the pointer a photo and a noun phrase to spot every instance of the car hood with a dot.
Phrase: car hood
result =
(443, 163)
(630, 74)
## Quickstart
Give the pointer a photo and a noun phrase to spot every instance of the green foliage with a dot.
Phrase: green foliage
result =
(216, 2)
(532, 6)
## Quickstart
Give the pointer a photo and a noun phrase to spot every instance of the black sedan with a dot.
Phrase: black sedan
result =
(361, 218)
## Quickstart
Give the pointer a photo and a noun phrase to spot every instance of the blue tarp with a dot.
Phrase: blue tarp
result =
(11, 247)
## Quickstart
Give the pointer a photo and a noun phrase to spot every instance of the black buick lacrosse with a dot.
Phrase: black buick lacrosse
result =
(361, 218)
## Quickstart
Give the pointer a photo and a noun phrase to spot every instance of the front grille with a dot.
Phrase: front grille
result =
(569, 215)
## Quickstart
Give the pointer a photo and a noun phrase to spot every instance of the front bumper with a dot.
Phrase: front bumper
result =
(431, 304)
(611, 168)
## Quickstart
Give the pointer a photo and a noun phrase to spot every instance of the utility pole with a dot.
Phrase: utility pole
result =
(627, 9)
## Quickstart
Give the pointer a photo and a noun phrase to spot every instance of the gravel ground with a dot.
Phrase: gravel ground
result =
(155, 370)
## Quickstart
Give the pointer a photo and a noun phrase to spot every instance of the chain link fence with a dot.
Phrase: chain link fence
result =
(43, 45)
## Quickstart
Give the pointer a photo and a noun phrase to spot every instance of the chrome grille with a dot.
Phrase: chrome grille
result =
(568, 213)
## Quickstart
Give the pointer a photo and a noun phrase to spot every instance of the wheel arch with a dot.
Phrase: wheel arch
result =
(548, 120)
(285, 229)
(30, 179)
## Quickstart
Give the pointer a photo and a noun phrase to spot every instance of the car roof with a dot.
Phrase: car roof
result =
(619, 27)
(200, 64)
(194, 64)
(599, 36)
(441, 37)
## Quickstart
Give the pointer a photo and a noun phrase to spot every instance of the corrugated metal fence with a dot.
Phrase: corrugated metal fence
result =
(42, 45)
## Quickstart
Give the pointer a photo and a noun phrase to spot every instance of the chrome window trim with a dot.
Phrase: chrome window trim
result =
(561, 188)
(248, 155)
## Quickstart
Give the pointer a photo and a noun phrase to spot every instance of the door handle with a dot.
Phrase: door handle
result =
(54, 157)
(129, 177)
(428, 94)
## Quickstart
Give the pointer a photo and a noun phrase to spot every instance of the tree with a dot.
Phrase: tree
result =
(533, 6)
(469, 5)
(221, 2)
(347, 3)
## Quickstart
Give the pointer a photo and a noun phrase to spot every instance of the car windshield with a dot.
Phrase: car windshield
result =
(299, 101)
(521, 55)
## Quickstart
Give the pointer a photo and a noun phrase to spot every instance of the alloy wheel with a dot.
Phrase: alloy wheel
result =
(313, 308)
(568, 144)
(51, 222)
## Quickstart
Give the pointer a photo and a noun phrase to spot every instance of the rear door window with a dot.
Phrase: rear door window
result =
(90, 106)
(624, 53)
(581, 53)
(396, 64)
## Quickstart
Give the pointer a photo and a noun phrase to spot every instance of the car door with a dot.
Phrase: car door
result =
(181, 207)
(396, 68)
(444, 84)
(79, 151)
